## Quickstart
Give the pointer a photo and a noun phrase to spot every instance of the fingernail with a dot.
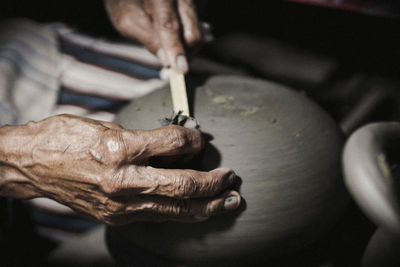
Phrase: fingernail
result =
(232, 176)
(163, 58)
(188, 34)
(232, 202)
(164, 74)
(228, 174)
(182, 64)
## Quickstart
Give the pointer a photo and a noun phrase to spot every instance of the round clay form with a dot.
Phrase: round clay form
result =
(286, 150)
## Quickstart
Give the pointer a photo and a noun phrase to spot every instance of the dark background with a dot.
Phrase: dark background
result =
(370, 43)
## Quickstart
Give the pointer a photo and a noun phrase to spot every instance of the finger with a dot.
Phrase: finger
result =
(180, 184)
(189, 21)
(165, 141)
(131, 20)
(196, 209)
(167, 26)
(158, 209)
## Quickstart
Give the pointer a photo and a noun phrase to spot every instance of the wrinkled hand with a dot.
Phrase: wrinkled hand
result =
(157, 24)
(98, 168)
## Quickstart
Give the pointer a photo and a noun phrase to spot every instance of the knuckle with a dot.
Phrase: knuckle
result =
(210, 185)
(174, 208)
(186, 186)
(178, 137)
(107, 218)
(111, 182)
(113, 208)
(110, 211)
(124, 24)
(146, 207)
(109, 186)
(193, 38)
(169, 23)
(112, 147)
(222, 178)
(213, 208)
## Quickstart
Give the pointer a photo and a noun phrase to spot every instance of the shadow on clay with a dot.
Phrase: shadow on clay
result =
(192, 83)
(208, 160)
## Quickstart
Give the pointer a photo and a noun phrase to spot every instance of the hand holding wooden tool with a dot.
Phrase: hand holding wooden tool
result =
(178, 93)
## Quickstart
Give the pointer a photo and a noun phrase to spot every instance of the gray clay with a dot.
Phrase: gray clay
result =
(286, 150)
(382, 250)
(371, 175)
(368, 174)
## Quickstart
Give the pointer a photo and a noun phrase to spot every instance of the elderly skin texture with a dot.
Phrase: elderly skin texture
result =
(100, 169)
(165, 27)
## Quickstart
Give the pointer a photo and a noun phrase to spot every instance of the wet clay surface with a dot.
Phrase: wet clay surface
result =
(286, 151)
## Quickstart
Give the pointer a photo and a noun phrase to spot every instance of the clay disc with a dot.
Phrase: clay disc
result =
(286, 150)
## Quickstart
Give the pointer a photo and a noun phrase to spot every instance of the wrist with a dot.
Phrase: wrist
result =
(15, 141)
(6, 143)
(13, 182)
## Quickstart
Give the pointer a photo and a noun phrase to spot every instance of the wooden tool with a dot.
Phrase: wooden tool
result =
(178, 93)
